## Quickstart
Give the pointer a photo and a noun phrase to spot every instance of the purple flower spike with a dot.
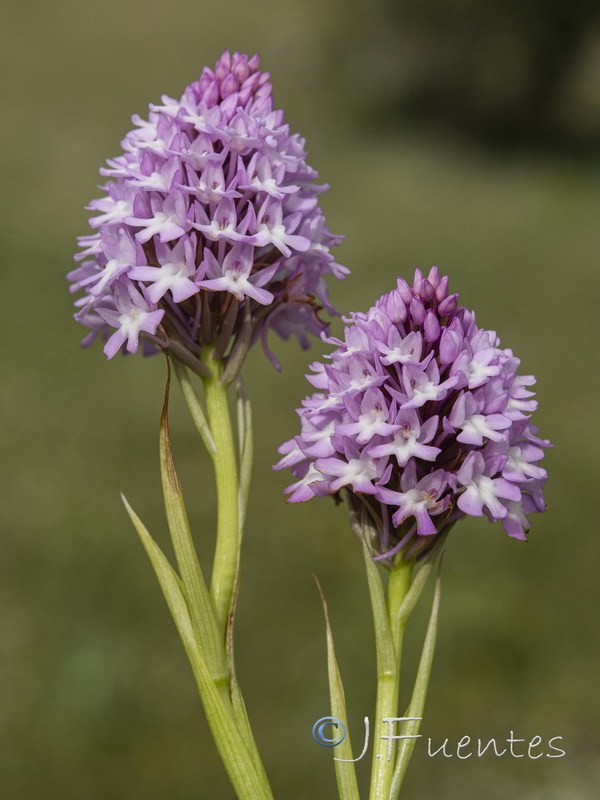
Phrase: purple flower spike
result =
(210, 215)
(420, 419)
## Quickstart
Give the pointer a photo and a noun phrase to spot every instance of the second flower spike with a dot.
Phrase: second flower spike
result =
(421, 418)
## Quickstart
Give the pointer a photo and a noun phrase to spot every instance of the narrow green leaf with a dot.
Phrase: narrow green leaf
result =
(245, 448)
(238, 763)
(194, 406)
(345, 771)
(244, 443)
(169, 580)
(386, 660)
(420, 579)
(236, 357)
(240, 714)
(194, 585)
(181, 353)
(417, 702)
(415, 591)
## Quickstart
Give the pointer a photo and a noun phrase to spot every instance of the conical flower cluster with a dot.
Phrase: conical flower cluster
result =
(209, 230)
(421, 418)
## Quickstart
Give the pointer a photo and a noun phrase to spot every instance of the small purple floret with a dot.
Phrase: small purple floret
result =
(420, 419)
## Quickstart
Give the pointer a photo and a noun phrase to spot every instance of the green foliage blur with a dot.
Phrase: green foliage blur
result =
(96, 698)
(504, 72)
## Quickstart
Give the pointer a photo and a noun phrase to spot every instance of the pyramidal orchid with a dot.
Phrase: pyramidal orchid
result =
(208, 236)
(427, 420)
(420, 419)
(209, 226)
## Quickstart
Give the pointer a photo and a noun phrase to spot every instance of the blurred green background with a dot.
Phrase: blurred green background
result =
(445, 141)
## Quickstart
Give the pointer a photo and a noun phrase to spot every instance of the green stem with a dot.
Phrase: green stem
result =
(232, 482)
(227, 548)
(388, 684)
(205, 619)
(417, 702)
